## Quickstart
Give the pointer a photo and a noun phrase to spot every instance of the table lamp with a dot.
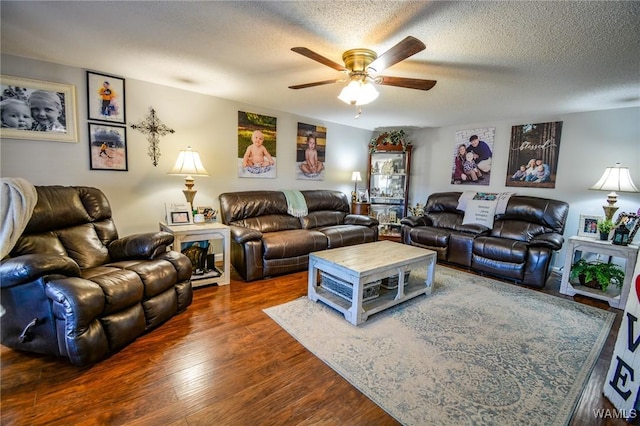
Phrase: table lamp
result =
(355, 177)
(188, 164)
(614, 179)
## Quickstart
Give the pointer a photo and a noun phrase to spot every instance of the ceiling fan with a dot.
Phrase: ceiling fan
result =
(363, 65)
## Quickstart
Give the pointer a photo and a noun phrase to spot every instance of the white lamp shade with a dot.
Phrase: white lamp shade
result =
(358, 92)
(355, 177)
(188, 164)
(616, 178)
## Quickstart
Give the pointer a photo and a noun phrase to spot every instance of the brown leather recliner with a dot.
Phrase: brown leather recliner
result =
(72, 288)
(519, 247)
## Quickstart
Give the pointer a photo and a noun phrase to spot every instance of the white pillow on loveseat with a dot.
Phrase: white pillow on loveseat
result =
(480, 212)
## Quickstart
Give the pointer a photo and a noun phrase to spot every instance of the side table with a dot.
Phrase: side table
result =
(201, 232)
(617, 298)
(360, 208)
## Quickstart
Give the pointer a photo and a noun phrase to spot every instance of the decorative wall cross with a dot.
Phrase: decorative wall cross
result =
(154, 128)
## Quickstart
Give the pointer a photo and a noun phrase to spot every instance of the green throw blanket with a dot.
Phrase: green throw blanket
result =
(296, 204)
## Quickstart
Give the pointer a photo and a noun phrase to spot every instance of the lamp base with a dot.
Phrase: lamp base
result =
(609, 212)
(189, 194)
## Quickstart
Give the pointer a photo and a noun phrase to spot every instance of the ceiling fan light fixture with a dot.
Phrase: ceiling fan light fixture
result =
(358, 92)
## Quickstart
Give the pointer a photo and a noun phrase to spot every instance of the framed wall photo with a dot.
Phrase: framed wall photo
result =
(631, 221)
(533, 155)
(107, 147)
(178, 214)
(105, 97)
(588, 226)
(38, 110)
(257, 156)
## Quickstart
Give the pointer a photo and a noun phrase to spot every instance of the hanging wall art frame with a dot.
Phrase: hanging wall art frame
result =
(105, 98)
(44, 111)
(108, 147)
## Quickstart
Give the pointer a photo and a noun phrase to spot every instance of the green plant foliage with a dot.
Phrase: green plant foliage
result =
(605, 226)
(394, 137)
(603, 273)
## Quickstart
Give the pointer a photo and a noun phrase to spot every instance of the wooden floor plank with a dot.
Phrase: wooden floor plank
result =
(223, 362)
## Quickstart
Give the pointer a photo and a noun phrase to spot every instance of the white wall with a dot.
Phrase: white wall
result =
(207, 124)
(589, 143)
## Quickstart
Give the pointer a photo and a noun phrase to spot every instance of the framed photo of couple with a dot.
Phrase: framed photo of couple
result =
(38, 110)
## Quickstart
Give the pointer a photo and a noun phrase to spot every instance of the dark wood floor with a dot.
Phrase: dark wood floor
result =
(222, 362)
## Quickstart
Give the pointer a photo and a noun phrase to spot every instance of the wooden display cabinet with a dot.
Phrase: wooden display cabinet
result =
(388, 176)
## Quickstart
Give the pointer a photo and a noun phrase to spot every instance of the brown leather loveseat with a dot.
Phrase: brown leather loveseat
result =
(72, 288)
(266, 240)
(518, 247)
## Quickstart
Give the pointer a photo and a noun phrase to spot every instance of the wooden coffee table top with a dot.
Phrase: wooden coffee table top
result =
(369, 257)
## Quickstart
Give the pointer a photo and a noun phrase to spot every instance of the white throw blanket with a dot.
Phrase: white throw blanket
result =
(18, 198)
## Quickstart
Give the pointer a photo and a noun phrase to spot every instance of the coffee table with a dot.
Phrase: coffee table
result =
(362, 264)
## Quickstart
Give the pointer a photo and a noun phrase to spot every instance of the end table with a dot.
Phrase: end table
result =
(201, 232)
(579, 245)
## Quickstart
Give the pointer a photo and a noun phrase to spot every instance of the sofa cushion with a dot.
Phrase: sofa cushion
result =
(322, 218)
(269, 223)
(296, 242)
(347, 235)
(501, 249)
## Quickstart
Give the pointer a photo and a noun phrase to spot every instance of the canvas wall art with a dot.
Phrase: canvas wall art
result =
(311, 143)
(472, 156)
(256, 145)
(533, 155)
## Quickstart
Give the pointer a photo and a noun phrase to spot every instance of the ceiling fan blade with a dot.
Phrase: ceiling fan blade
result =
(401, 51)
(409, 83)
(318, 58)
(317, 83)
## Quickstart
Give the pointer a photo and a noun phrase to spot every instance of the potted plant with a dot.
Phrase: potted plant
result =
(605, 227)
(597, 274)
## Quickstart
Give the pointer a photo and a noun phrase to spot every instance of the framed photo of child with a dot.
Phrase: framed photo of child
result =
(37, 110)
(107, 147)
(257, 134)
(105, 97)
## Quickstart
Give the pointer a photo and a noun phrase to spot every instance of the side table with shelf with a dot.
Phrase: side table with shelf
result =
(577, 246)
(202, 232)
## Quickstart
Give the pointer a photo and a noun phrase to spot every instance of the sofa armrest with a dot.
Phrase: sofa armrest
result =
(551, 240)
(360, 219)
(29, 267)
(140, 246)
(416, 221)
(241, 235)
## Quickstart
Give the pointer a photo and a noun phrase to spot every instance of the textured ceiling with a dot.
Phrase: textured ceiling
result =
(492, 60)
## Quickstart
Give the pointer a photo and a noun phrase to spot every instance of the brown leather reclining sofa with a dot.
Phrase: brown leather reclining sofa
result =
(72, 288)
(267, 241)
(519, 246)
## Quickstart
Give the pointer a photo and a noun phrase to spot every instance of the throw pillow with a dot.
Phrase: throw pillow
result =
(480, 212)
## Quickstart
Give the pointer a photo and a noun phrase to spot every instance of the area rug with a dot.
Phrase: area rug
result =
(474, 352)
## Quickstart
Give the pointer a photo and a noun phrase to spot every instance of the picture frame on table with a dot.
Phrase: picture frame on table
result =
(178, 214)
(363, 196)
(28, 97)
(105, 98)
(631, 221)
(588, 225)
(107, 147)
